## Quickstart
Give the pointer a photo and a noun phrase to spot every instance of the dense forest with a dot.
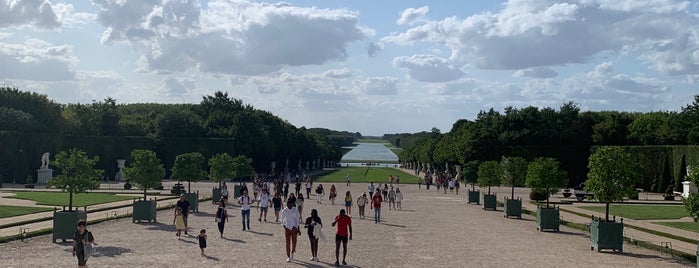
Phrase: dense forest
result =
(566, 134)
(31, 124)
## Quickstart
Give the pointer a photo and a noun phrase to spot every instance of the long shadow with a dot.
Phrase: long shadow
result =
(320, 264)
(633, 255)
(259, 233)
(187, 241)
(572, 233)
(522, 219)
(233, 240)
(109, 251)
(157, 226)
(211, 257)
(205, 214)
(392, 225)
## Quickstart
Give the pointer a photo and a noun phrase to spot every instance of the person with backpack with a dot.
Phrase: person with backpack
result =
(221, 216)
(319, 193)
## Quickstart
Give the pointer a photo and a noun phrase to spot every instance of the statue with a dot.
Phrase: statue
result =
(45, 160)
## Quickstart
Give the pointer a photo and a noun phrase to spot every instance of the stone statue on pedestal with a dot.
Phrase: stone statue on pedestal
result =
(44, 173)
(120, 174)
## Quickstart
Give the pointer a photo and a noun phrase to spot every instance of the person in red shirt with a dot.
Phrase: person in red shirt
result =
(343, 222)
(376, 206)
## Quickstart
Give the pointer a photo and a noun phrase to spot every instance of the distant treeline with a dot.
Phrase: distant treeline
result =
(566, 134)
(31, 124)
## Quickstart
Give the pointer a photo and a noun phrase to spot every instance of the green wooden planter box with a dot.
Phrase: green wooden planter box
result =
(215, 195)
(697, 256)
(548, 218)
(236, 191)
(513, 207)
(65, 223)
(144, 210)
(193, 199)
(606, 235)
(474, 197)
(490, 201)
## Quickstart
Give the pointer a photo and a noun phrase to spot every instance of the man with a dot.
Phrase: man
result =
(343, 222)
(264, 204)
(391, 199)
(376, 205)
(291, 221)
(244, 202)
(347, 179)
(309, 184)
(371, 189)
(184, 205)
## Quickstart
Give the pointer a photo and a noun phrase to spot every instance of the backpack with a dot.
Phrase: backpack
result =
(319, 191)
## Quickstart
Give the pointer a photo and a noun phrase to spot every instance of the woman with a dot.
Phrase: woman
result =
(399, 198)
(221, 216)
(224, 192)
(311, 223)
(299, 204)
(178, 221)
(277, 203)
(320, 192)
(333, 194)
(361, 203)
(81, 238)
(292, 200)
(348, 203)
(385, 191)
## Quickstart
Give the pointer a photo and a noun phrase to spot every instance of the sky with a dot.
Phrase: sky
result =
(372, 67)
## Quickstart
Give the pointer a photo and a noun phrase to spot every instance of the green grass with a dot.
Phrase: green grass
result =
(371, 141)
(61, 199)
(11, 211)
(643, 212)
(374, 174)
(689, 226)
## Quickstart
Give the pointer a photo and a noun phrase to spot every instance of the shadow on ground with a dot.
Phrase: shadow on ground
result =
(109, 251)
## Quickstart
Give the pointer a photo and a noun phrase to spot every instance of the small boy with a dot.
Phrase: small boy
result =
(202, 240)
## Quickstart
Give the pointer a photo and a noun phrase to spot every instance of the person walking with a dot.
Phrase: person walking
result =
(286, 189)
(348, 203)
(221, 216)
(376, 206)
(333, 194)
(309, 185)
(384, 191)
(419, 183)
(399, 198)
(456, 186)
(264, 204)
(184, 206)
(297, 186)
(299, 204)
(277, 203)
(224, 192)
(178, 221)
(397, 181)
(311, 223)
(371, 189)
(451, 186)
(292, 199)
(343, 223)
(347, 179)
(290, 222)
(202, 240)
(391, 199)
(361, 203)
(319, 193)
(81, 239)
(245, 201)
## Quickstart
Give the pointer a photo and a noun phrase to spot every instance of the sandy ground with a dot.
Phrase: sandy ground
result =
(433, 229)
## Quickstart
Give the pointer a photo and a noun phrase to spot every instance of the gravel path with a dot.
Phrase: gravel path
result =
(433, 230)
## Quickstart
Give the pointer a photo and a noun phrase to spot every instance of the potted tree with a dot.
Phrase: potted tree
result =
(489, 174)
(544, 176)
(612, 172)
(514, 170)
(77, 175)
(470, 172)
(220, 169)
(188, 167)
(146, 172)
(242, 167)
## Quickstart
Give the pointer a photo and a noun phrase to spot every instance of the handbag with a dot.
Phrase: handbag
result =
(88, 248)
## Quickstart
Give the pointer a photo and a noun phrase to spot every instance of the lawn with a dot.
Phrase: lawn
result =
(643, 212)
(11, 211)
(373, 174)
(689, 226)
(61, 199)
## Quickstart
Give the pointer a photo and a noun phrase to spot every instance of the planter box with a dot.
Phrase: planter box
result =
(490, 201)
(193, 199)
(513, 207)
(567, 194)
(236, 191)
(29, 186)
(606, 235)
(547, 218)
(144, 210)
(474, 197)
(215, 195)
(65, 223)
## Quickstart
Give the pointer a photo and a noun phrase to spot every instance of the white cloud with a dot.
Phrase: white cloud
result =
(373, 49)
(177, 86)
(337, 73)
(38, 60)
(536, 72)
(428, 68)
(68, 17)
(378, 85)
(411, 16)
(21, 13)
(458, 87)
(229, 37)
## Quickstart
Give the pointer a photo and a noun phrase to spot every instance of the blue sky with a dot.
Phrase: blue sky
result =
(370, 66)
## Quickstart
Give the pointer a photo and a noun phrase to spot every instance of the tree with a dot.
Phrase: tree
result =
(544, 175)
(470, 173)
(611, 176)
(242, 166)
(188, 167)
(691, 203)
(489, 174)
(514, 171)
(221, 167)
(77, 173)
(145, 170)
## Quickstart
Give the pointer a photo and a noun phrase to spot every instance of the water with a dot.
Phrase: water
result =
(369, 152)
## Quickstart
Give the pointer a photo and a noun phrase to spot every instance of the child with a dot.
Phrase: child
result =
(202, 240)
(178, 221)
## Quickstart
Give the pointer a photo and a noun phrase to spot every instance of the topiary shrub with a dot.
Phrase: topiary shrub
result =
(127, 186)
(537, 195)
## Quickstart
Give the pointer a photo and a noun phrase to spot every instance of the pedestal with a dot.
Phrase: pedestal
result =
(687, 188)
(43, 175)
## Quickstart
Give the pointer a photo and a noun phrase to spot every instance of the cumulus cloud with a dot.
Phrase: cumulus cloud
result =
(459, 87)
(411, 16)
(378, 85)
(337, 73)
(536, 72)
(229, 37)
(373, 49)
(526, 34)
(38, 60)
(36, 13)
(428, 68)
(69, 18)
(177, 86)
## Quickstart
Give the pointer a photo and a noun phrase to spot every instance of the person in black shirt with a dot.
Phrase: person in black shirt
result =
(311, 222)
(184, 205)
(81, 237)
